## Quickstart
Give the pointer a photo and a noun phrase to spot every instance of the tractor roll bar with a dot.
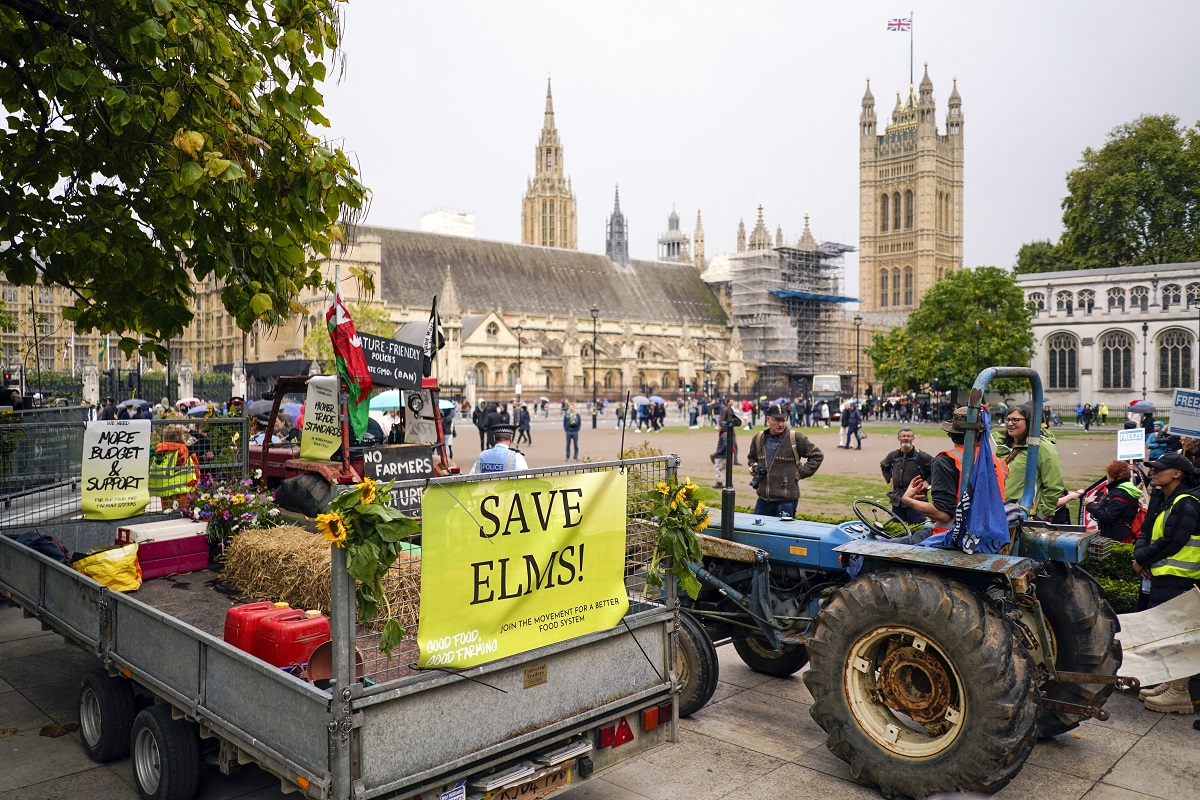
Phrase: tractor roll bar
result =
(1035, 428)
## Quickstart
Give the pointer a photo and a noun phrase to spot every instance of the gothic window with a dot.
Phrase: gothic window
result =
(1116, 360)
(1087, 300)
(549, 159)
(641, 353)
(480, 374)
(1039, 300)
(45, 294)
(908, 209)
(493, 331)
(10, 294)
(666, 380)
(585, 351)
(1064, 355)
(1193, 293)
(883, 287)
(608, 380)
(512, 375)
(1175, 360)
(1139, 297)
(1116, 298)
(9, 324)
(908, 286)
(896, 286)
(883, 217)
(1171, 295)
(895, 211)
(45, 325)
(1064, 301)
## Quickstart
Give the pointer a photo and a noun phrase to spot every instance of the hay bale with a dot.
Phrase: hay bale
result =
(291, 565)
(639, 541)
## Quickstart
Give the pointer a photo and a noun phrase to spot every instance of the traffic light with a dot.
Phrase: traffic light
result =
(681, 383)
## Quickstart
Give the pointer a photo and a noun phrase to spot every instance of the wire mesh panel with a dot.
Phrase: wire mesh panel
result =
(402, 585)
(216, 450)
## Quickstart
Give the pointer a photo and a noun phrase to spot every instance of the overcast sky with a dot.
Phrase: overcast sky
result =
(714, 105)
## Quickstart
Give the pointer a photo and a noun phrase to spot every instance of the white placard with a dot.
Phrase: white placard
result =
(1131, 444)
(116, 468)
(1185, 413)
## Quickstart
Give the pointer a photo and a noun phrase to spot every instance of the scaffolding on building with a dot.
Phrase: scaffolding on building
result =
(787, 305)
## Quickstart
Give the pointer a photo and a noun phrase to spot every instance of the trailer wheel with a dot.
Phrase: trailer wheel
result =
(921, 686)
(1084, 627)
(695, 665)
(166, 755)
(106, 710)
(758, 656)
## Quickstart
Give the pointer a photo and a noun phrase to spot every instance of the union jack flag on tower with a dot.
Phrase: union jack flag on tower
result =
(900, 24)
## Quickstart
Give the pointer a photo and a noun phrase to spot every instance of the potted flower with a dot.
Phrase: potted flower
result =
(230, 505)
(681, 512)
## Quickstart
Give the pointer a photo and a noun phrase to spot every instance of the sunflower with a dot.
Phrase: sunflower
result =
(333, 527)
(662, 488)
(368, 490)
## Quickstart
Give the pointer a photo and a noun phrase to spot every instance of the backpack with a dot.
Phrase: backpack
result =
(1135, 524)
(573, 421)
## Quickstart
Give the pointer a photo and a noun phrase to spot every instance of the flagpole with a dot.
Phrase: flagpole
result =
(910, 48)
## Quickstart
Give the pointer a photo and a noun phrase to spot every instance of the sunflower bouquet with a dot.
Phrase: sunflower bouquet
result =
(373, 536)
(681, 512)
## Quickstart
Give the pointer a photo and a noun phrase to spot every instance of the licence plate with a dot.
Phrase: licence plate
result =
(536, 788)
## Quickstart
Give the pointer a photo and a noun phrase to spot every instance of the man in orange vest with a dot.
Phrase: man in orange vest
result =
(942, 486)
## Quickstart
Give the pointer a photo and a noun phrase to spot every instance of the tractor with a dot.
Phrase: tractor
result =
(932, 670)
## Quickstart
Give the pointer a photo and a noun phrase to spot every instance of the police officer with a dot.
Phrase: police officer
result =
(501, 457)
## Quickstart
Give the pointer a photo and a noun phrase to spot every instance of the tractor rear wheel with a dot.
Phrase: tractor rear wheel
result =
(1084, 627)
(921, 686)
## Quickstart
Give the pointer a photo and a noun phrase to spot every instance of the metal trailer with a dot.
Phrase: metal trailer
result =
(529, 724)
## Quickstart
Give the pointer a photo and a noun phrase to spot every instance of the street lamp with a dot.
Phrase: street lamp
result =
(1145, 331)
(708, 388)
(857, 352)
(1194, 300)
(595, 317)
(520, 329)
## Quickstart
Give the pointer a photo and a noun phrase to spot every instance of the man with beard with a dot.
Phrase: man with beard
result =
(899, 467)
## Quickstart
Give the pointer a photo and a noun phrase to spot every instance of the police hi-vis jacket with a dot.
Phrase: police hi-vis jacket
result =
(499, 458)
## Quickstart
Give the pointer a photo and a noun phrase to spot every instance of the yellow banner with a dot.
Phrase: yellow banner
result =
(503, 565)
(116, 468)
(321, 435)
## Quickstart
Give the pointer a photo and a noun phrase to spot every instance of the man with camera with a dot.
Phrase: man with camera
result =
(779, 459)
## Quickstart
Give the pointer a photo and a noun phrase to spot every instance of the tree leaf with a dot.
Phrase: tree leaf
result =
(190, 142)
(190, 172)
(170, 103)
(233, 172)
(260, 304)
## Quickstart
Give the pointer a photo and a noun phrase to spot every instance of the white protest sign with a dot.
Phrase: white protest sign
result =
(321, 435)
(1131, 444)
(1185, 413)
(116, 468)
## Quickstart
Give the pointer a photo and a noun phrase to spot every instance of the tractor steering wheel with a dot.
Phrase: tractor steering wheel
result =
(870, 513)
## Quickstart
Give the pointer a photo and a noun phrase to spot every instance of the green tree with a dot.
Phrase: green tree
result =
(153, 143)
(1043, 256)
(367, 319)
(941, 346)
(1137, 199)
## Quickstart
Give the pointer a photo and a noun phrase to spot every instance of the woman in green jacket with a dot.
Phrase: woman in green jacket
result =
(1013, 448)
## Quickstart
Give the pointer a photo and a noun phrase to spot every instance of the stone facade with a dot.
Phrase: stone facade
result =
(548, 211)
(1115, 335)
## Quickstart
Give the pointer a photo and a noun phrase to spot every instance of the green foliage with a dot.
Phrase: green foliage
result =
(1116, 577)
(681, 512)
(1136, 200)
(149, 144)
(373, 536)
(1043, 256)
(367, 319)
(938, 346)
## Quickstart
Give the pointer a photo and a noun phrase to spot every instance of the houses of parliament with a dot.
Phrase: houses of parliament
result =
(521, 319)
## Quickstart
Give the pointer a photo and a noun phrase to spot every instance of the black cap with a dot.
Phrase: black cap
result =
(775, 410)
(503, 430)
(1171, 461)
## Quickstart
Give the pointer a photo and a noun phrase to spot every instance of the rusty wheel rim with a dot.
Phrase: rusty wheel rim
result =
(904, 693)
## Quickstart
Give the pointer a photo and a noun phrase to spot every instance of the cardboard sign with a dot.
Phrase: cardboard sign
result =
(505, 572)
(116, 468)
(321, 435)
(1131, 444)
(1185, 413)
(403, 462)
(420, 427)
(392, 362)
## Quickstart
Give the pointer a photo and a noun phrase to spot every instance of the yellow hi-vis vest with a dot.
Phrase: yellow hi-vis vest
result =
(169, 477)
(1185, 563)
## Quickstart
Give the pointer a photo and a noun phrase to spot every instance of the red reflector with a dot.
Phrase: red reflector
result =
(664, 713)
(624, 733)
(650, 719)
(607, 735)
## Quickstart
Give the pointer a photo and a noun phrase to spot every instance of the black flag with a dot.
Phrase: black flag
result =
(435, 338)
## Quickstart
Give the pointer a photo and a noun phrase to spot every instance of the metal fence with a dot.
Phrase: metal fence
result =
(41, 463)
(403, 582)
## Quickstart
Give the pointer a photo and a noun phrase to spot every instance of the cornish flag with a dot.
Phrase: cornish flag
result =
(900, 24)
(351, 364)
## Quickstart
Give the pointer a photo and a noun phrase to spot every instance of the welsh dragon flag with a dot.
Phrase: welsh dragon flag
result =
(351, 365)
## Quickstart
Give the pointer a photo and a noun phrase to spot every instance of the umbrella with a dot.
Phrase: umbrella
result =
(656, 399)
(780, 400)
(291, 409)
(762, 397)
(445, 404)
(640, 400)
(198, 411)
(134, 402)
(259, 407)
(1141, 407)
(391, 400)
(189, 401)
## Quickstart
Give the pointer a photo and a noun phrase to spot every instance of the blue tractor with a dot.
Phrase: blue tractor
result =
(932, 670)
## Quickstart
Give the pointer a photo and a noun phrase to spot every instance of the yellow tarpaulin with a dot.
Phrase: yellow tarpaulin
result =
(511, 565)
